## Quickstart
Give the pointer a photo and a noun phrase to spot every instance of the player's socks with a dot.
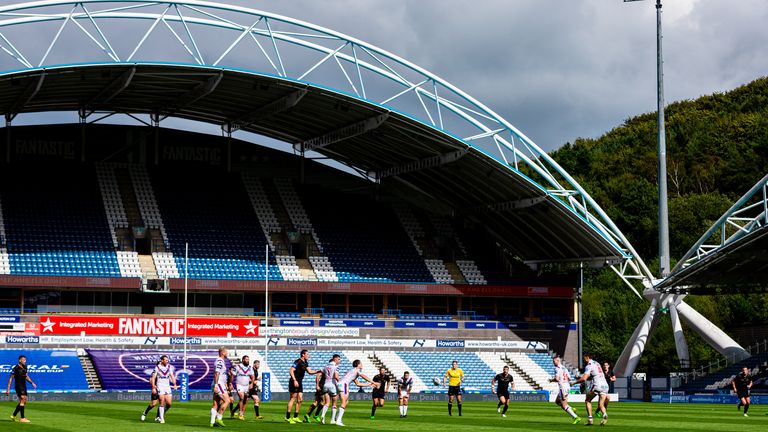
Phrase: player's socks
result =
(459, 404)
(311, 410)
(405, 410)
(147, 409)
(325, 410)
(213, 415)
(341, 414)
(506, 407)
(746, 408)
(256, 408)
(333, 415)
(450, 408)
(287, 415)
(161, 410)
(402, 410)
(21, 411)
(738, 407)
(16, 411)
(373, 410)
(570, 412)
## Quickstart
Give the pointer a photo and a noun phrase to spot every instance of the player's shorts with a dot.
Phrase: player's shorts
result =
(330, 389)
(21, 389)
(742, 393)
(599, 389)
(164, 390)
(403, 394)
(454, 390)
(562, 392)
(155, 396)
(378, 394)
(319, 395)
(220, 389)
(243, 388)
(293, 389)
(254, 392)
(344, 389)
(504, 394)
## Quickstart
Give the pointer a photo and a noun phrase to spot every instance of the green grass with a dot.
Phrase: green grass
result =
(422, 417)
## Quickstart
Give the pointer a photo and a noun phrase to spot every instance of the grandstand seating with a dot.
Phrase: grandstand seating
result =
(212, 214)
(113, 203)
(5, 264)
(430, 365)
(299, 217)
(55, 224)
(496, 363)
(129, 264)
(166, 265)
(537, 365)
(397, 367)
(323, 269)
(130, 370)
(722, 378)
(357, 252)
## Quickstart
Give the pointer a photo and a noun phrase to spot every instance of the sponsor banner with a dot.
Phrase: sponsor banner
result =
(352, 323)
(13, 339)
(394, 343)
(297, 322)
(427, 324)
(301, 342)
(12, 327)
(189, 340)
(266, 387)
(317, 332)
(440, 343)
(513, 325)
(184, 386)
(707, 399)
(147, 326)
(51, 370)
(481, 325)
(9, 319)
(522, 345)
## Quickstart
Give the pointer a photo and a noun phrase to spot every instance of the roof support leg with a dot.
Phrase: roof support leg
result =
(715, 337)
(630, 357)
(677, 329)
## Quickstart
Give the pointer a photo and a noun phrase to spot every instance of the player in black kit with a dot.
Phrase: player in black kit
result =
(741, 384)
(20, 377)
(504, 381)
(379, 393)
(298, 369)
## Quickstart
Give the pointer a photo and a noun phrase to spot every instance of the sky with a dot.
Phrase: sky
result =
(557, 69)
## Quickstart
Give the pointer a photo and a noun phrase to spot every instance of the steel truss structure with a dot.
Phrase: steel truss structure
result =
(204, 45)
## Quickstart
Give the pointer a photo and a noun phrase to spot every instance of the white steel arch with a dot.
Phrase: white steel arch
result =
(359, 65)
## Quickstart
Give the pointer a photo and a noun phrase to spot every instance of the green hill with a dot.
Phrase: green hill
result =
(717, 148)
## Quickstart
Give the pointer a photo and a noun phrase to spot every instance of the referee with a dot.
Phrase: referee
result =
(741, 384)
(20, 376)
(455, 377)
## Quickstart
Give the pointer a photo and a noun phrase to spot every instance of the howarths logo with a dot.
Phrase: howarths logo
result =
(450, 344)
(22, 339)
(300, 342)
(190, 341)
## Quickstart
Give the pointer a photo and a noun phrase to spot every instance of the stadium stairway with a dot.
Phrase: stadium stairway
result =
(415, 232)
(5, 264)
(262, 207)
(113, 203)
(466, 266)
(91, 377)
(496, 363)
(532, 365)
(297, 213)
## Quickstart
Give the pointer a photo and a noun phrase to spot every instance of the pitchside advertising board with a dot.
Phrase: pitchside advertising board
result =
(51, 370)
(147, 326)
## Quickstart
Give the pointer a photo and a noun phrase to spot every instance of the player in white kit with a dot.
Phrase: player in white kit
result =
(221, 398)
(598, 386)
(563, 379)
(244, 378)
(352, 376)
(404, 386)
(330, 387)
(162, 378)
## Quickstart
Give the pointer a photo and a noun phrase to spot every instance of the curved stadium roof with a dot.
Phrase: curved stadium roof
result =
(317, 90)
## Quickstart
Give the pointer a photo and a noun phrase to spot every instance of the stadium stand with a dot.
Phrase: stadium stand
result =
(212, 214)
(397, 366)
(55, 225)
(535, 366)
(113, 202)
(5, 265)
(299, 217)
(353, 248)
(434, 364)
(496, 363)
(125, 370)
(721, 380)
(53, 370)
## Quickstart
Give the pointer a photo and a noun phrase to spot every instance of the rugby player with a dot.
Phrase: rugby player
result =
(244, 379)
(154, 398)
(404, 386)
(255, 392)
(20, 377)
(382, 379)
(352, 376)
(741, 384)
(455, 377)
(563, 378)
(598, 387)
(317, 404)
(504, 380)
(298, 369)
(221, 399)
(330, 387)
(162, 378)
